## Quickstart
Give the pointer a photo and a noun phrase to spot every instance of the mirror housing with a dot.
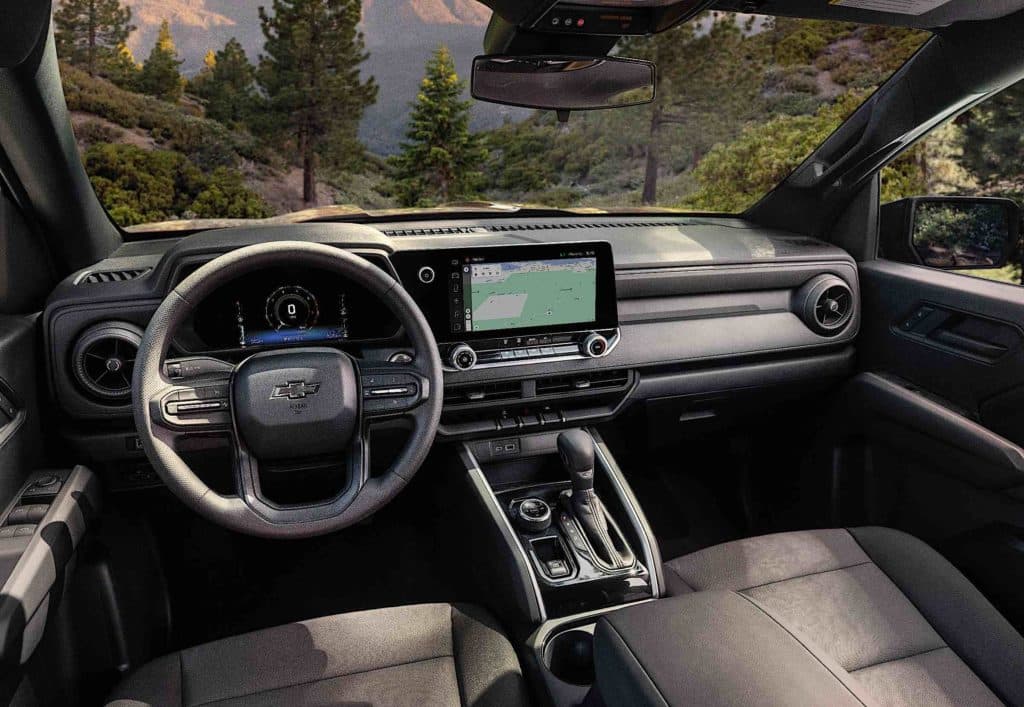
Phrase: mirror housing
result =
(563, 83)
(950, 232)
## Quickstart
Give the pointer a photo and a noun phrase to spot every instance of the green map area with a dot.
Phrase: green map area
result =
(518, 295)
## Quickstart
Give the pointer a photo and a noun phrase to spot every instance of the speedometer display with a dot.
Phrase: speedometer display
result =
(292, 307)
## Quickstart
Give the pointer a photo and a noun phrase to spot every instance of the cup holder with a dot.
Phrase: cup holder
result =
(570, 656)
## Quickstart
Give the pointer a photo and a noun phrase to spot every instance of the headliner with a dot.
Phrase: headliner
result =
(952, 12)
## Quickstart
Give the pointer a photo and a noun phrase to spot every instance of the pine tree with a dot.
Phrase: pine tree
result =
(441, 159)
(310, 73)
(160, 76)
(90, 32)
(122, 69)
(227, 82)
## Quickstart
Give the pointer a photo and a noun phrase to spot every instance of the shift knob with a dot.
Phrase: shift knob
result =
(576, 448)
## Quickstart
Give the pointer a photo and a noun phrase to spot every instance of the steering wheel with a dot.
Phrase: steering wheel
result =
(287, 406)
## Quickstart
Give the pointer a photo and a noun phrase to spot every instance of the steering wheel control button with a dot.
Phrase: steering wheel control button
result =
(462, 357)
(595, 346)
(390, 393)
(426, 275)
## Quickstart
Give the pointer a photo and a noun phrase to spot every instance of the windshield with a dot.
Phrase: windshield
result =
(223, 109)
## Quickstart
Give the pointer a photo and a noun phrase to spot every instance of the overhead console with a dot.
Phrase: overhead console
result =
(615, 17)
(511, 305)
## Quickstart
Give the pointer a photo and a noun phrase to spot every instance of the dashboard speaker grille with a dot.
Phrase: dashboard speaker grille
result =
(527, 226)
(103, 360)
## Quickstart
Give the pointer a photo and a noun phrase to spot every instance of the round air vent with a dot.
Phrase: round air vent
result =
(104, 358)
(826, 304)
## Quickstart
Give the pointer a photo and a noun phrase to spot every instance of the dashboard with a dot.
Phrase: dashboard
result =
(539, 321)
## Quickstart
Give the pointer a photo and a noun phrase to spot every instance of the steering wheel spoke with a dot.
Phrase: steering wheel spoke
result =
(391, 390)
(199, 406)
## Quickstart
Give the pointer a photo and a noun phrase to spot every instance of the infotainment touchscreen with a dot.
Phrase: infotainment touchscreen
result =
(529, 294)
(492, 293)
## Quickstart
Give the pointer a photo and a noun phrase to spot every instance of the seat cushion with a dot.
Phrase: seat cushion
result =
(432, 654)
(889, 610)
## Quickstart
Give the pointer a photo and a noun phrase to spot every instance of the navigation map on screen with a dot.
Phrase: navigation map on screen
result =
(534, 293)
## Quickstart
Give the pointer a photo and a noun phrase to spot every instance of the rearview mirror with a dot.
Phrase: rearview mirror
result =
(563, 83)
(951, 233)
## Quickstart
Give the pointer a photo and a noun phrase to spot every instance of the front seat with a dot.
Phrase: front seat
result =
(432, 654)
(892, 619)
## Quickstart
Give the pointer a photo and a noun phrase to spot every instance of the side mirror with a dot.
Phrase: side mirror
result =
(951, 233)
(563, 83)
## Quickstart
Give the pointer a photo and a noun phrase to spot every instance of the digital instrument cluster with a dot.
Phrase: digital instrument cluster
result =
(282, 306)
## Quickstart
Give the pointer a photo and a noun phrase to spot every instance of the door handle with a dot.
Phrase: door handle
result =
(977, 347)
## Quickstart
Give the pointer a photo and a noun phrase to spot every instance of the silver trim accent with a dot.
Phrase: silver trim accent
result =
(511, 536)
(546, 518)
(423, 277)
(453, 357)
(591, 340)
(651, 558)
(613, 341)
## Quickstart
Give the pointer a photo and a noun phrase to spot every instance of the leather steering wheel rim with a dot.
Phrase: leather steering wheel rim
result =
(241, 513)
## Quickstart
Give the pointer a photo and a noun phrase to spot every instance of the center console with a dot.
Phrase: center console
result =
(562, 540)
(509, 305)
(570, 516)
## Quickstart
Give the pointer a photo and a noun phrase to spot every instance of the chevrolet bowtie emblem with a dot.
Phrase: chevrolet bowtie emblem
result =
(295, 390)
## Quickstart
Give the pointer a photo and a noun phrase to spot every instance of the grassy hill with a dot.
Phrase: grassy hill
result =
(143, 153)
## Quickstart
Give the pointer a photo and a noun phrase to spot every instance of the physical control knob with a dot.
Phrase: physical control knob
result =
(462, 357)
(594, 346)
(533, 515)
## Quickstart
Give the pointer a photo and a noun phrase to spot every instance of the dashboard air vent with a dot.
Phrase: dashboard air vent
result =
(96, 278)
(526, 226)
(595, 380)
(826, 305)
(103, 360)
(487, 392)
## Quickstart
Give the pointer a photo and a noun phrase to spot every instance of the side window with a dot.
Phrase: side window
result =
(953, 201)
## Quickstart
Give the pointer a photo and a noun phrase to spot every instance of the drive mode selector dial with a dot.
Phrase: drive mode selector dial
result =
(292, 307)
(594, 346)
(462, 357)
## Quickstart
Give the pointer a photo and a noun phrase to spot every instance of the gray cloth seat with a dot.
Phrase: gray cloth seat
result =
(431, 654)
(866, 615)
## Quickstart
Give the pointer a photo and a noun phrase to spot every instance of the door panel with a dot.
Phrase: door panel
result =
(966, 349)
(938, 413)
(20, 441)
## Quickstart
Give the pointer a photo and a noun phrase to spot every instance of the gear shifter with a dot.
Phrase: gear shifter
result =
(576, 448)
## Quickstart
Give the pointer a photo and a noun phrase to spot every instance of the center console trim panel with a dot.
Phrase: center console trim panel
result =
(483, 487)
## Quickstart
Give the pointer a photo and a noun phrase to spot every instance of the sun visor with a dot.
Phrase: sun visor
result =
(25, 24)
(920, 14)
